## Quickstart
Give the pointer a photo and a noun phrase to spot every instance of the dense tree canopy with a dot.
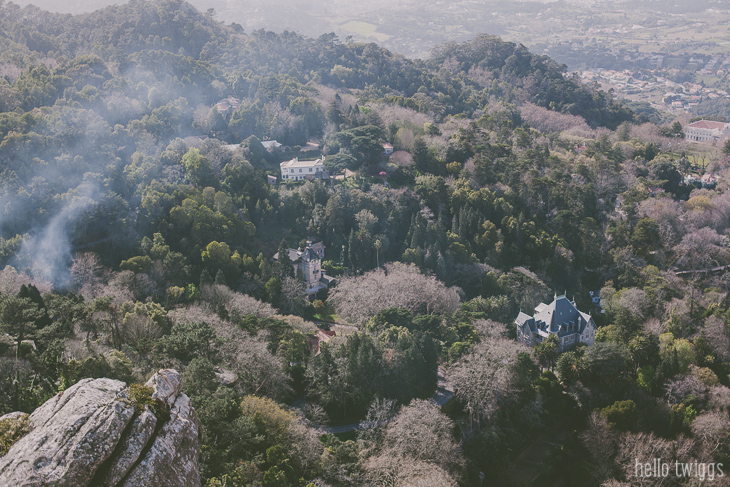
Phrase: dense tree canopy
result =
(139, 220)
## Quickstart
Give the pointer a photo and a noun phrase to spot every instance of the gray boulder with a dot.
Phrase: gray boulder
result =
(132, 445)
(89, 434)
(172, 459)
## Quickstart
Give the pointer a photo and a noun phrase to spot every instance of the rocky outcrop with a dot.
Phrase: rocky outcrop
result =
(225, 377)
(172, 459)
(91, 434)
(14, 416)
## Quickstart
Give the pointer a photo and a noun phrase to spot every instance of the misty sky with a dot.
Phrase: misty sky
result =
(412, 27)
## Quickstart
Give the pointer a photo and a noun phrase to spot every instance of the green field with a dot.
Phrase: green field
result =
(365, 29)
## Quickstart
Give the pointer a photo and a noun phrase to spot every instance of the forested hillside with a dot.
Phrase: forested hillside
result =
(138, 230)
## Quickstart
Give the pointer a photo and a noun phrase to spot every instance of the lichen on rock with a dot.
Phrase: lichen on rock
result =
(90, 434)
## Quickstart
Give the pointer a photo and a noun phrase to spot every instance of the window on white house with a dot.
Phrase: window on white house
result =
(292, 170)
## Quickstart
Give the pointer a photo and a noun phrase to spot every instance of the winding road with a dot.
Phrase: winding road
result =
(444, 392)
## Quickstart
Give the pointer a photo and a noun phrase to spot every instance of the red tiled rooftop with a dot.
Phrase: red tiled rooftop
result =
(708, 124)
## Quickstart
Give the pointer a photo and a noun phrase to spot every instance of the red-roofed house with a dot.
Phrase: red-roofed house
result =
(705, 131)
(227, 106)
(319, 337)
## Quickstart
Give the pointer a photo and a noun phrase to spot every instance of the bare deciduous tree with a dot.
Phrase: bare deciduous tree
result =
(137, 327)
(201, 314)
(601, 443)
(702, 249)
(712, 429)
(401, 158)
(243, 305)
(422, 432)
(548, 121)
(11, 280)
(720, 398)
(644, 448)
(398, 286)
(636, 301)
(215, 294)
(717, 337)
(400, 115)
(316, 413)
(86, 273)
(293, 296)
(647, 132)
(484, 378)
(389, 470)
(681, 387)
(379, 413)
(259, 371)
(491, 329)
(305, 448)
(122, 286)
(669, 216)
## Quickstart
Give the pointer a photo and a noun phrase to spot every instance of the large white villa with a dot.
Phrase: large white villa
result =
(297, 170)
(705, 131)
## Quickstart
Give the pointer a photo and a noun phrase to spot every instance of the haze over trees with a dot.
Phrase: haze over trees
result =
(138, 228)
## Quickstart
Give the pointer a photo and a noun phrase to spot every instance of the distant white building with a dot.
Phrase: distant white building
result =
(705, 131)
(297, 170)
(270, 145)
(560, 318)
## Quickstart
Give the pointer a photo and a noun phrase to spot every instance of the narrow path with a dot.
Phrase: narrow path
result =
(444, 392)
(527, 466)
(711, 270)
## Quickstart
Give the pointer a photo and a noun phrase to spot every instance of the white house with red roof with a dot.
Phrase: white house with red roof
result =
(705, 131)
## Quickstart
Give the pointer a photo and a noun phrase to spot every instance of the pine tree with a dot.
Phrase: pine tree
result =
(421, 157)
(220, 278)
(284, 265)
(205, 278)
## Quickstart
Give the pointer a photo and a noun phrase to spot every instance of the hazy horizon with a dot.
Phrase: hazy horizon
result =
(412, 28)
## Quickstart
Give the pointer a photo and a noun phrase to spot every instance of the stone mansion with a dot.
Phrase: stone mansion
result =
(560, 318)
(309, 262)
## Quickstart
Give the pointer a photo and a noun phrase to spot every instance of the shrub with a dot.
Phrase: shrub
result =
(140, 396)
(621, 415)
(11, 430)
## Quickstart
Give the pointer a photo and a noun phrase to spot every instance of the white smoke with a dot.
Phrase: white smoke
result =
(46, 253)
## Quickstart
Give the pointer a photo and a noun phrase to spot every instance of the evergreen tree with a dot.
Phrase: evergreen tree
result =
(220, 278)
(205, 278)
(421, 156)
(284, 265)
